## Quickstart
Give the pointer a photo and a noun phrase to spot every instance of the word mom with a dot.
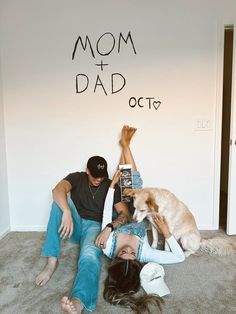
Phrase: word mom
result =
(104, 46)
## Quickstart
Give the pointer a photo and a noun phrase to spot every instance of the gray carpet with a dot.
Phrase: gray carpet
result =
(202, 284)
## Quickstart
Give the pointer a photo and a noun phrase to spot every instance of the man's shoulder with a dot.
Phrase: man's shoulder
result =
(105, 183)
(107, 180)
(77, 173)
(74, 176)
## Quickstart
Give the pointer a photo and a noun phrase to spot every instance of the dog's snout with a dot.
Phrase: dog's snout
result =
(135, 217)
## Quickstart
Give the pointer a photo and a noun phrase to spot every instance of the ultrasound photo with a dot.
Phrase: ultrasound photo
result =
(125, 181)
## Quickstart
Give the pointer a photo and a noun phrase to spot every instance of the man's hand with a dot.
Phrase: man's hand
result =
(60, 198)
(102, 238)
(66, 227)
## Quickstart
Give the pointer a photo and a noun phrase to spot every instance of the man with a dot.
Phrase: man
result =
(79, 217)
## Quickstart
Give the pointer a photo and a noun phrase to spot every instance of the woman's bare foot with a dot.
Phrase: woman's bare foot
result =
(72, 306)
(127, 133)
(47, 272)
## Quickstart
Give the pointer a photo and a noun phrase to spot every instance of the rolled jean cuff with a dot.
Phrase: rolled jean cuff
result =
(137, 180)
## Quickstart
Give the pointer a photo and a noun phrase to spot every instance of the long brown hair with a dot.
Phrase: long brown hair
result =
(123, 282)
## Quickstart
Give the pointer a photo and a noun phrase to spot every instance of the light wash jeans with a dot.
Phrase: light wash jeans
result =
(85, 287)
(137, 180)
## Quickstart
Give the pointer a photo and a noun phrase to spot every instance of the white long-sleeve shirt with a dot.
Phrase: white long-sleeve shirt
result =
(147, 254)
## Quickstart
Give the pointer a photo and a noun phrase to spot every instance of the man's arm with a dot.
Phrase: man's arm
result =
(121, 208)
(59, 194)
(123, 215)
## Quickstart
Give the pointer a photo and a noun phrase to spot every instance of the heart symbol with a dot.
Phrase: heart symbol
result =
(156, 104)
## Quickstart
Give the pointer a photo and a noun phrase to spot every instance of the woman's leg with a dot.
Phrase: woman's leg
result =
(126, 154)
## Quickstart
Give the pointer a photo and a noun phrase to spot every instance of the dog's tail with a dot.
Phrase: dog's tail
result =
(218, 246)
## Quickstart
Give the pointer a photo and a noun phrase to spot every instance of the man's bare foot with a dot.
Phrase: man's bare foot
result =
(127, 133)
(72, 306)
(47, 272)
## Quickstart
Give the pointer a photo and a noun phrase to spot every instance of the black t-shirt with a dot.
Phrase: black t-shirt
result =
(89, 202)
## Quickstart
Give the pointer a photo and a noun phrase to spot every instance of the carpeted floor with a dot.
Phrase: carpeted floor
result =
(202, 284)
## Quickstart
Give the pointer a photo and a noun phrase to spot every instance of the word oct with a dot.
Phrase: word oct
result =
(142, 102)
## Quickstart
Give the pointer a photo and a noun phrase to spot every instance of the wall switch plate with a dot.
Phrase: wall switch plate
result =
(203, 125)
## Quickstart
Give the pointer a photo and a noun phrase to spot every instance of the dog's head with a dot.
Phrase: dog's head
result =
(144, 203)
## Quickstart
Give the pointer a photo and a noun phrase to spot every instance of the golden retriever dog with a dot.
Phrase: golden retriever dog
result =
(181, 222)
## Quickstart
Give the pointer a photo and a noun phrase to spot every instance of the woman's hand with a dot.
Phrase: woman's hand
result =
(162, 225)
(115, 179)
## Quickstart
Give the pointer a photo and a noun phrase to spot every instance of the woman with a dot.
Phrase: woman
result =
(128, 245)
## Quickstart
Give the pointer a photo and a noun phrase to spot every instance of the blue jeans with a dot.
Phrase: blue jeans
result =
(135, 228)
(85, 287)
(137, 180)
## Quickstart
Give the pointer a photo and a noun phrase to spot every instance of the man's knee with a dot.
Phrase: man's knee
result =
(56, 212)
(90, 252)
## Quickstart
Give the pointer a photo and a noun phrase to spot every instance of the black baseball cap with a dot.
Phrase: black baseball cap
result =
(97, 166)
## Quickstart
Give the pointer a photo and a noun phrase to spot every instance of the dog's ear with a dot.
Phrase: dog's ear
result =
(151, 203)
(130, 192)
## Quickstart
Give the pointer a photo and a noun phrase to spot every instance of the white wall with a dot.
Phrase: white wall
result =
(51, 130)
(4, 205)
